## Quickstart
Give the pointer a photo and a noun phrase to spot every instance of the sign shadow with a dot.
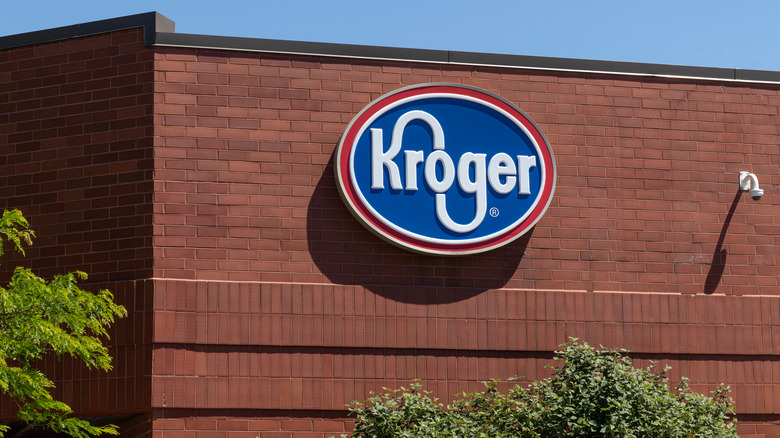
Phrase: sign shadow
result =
(349, 254)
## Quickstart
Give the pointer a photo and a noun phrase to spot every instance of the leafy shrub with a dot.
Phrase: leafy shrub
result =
(591, 394)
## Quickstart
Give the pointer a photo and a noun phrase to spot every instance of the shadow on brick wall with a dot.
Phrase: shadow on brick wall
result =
(347, 253)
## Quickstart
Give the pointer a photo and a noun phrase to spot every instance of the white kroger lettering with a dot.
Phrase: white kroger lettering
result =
(524, 164)
(447, 174)
(478, 187)
(413, 159)
(500, 167)
(381, 159)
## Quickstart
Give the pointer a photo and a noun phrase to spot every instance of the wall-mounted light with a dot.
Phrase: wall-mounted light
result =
(749, 181)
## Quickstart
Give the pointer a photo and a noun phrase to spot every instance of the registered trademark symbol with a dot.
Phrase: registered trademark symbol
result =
(494, 212)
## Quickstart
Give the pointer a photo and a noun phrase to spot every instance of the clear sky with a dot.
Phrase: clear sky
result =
(714, 33)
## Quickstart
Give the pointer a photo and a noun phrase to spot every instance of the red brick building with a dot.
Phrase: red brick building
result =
(192, 176)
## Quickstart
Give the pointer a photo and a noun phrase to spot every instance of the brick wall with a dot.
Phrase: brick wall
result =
(647, 198)
(268, 288)
(75, 153)
(250, 424)
(290, 346)
(76, 159)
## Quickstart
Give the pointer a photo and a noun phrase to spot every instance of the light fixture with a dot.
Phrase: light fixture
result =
(749, 181)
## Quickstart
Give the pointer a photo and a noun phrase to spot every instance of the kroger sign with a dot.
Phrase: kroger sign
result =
(445, 169)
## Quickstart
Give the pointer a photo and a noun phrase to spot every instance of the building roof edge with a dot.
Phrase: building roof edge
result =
(152, 22)
(159, 31)
(465, 58)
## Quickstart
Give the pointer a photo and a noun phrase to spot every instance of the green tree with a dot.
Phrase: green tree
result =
(38, 318)
(591, 394)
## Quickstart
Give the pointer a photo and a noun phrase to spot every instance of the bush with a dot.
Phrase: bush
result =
(591, 394)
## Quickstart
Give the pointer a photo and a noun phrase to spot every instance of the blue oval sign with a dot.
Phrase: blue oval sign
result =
(445, 169)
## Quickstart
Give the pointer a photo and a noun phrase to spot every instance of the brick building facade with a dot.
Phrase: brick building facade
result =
(192, 176)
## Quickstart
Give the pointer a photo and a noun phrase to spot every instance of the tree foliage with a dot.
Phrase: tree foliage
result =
(591, 394)
(39, 317)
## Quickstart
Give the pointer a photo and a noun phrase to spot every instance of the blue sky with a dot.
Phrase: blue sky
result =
(713, 33)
